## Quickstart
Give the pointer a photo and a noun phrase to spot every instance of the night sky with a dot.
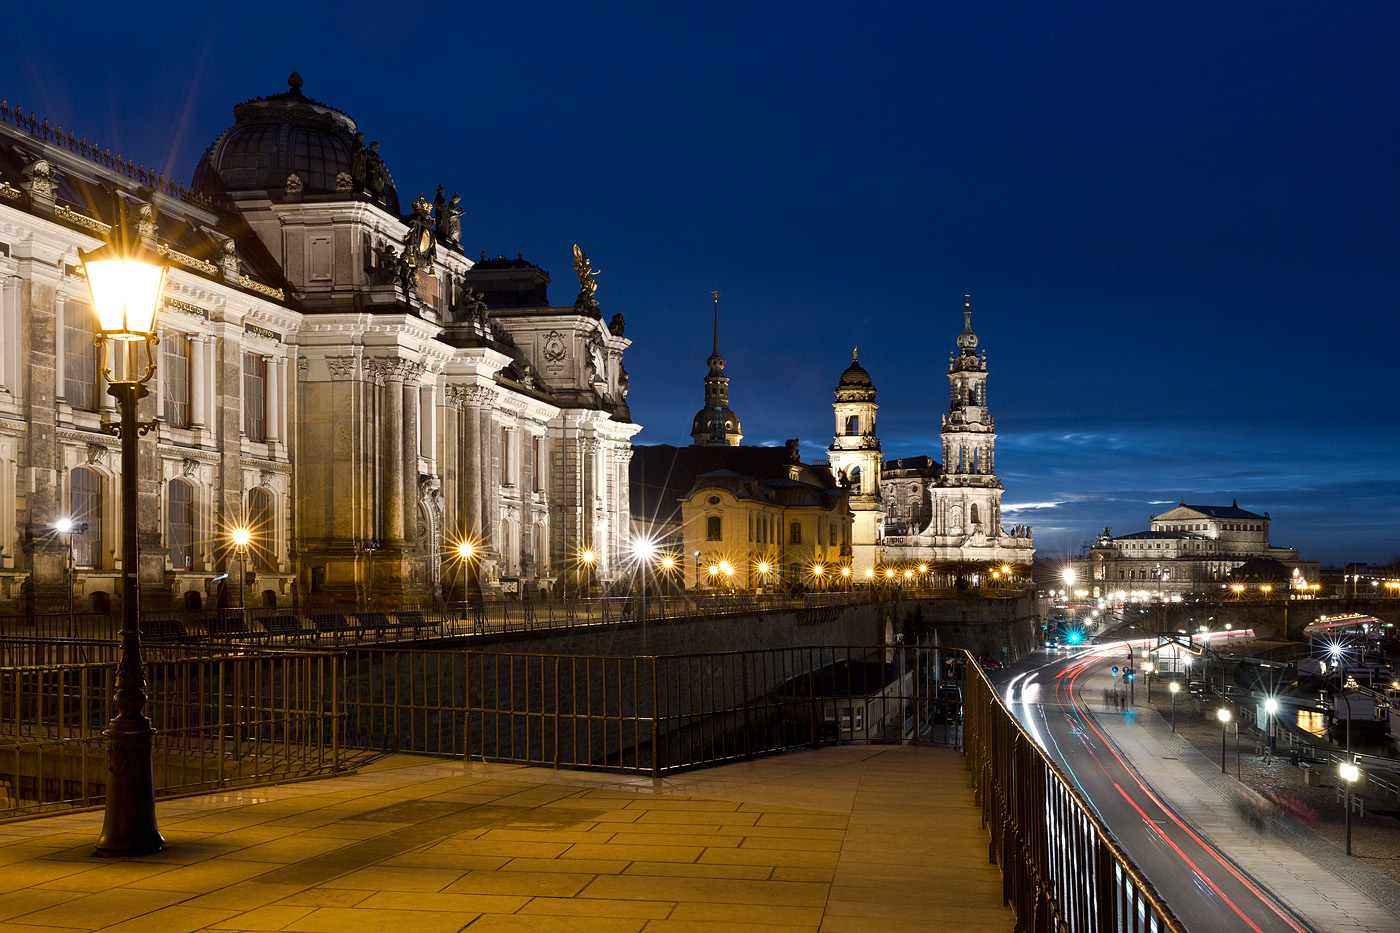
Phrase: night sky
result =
(1180, 225)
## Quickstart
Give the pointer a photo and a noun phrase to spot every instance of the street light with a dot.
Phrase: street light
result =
(1147, 668)
(1224, 715)
(67, 528)
(241, 539)
(1175, 688)
(1271, 708)
(126, 281)
(1350, 772)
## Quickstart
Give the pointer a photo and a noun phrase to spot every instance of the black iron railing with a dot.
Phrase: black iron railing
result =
(1062, 869)
(221, 720)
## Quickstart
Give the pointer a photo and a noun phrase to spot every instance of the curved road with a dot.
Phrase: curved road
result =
(1204, 888)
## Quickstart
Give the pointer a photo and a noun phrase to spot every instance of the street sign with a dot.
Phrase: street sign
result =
(1115, 671)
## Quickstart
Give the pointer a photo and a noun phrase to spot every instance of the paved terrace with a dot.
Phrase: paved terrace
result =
(846, 838)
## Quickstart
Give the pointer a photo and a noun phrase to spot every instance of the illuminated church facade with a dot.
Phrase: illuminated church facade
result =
(333, 372)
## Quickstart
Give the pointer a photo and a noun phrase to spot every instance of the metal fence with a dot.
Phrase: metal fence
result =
(1061, 868)
(387, 623)
(648, 714)
(221, 720)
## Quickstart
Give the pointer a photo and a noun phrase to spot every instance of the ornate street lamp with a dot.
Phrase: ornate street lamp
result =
(1349, 773)
(126, 282)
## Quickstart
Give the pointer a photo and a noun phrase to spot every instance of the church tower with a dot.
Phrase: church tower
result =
(969, 443)
(715, 425)
(854, 457)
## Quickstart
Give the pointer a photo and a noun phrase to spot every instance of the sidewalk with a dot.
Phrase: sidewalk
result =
(838, 839)
(1311, 876)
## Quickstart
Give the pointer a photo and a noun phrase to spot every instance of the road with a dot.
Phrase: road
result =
(1207, 891)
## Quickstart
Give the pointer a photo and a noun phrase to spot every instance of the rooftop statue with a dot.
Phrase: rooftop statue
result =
(586, 302)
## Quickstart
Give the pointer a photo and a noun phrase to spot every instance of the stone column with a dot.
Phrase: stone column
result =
(198, 374)
(272, 398)
(409, 437)
(484, 475)
(392, 372)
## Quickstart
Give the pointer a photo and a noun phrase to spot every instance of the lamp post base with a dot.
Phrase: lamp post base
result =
(129, 824)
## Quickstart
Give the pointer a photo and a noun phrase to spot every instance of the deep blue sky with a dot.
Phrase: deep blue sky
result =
(1180, 225)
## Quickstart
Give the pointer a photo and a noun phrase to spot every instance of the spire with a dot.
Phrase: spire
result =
(716, 294)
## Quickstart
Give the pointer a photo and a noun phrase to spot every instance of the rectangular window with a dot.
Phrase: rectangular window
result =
(176, 363)
(538, 458)
(505, 457)
(713, 526)
(79, 356)
(255, 397)
(85, 506)
(180, 521)
(795, 533)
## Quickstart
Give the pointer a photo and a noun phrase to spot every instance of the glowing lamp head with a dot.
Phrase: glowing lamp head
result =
(1223, 714)
(588, 557)
(63, 525)
(126, 285)
(1335, 650)
(1174, 687)
(1349, 771)
(923, 568)
(845, 571)
(1005, 568)
(714, 569)
(466, 551)
(1069, 576)
(668, 563)
(644, 548)
(869, 574)
(241, 537)
(889, 573)
(818, 570)
(908, 574)
(1271, 706)
(763, 567)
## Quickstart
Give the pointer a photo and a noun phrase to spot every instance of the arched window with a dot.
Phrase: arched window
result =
(263, 551)
(795, 533)
(85, 506)
(714, 526)
(539, 545)
(179, 520)
(973, 514)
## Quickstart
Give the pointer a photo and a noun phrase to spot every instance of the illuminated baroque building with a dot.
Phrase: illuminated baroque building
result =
(1187, 549)
(930, 513)
(332, 371)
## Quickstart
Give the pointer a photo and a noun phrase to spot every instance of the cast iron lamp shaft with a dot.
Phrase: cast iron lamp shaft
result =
(129, 825)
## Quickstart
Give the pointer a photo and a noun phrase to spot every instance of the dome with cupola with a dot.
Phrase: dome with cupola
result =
(286, 134)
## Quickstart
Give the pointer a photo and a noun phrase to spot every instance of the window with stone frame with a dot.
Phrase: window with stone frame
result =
(179, 524)
(537, 463)
(263, 549)
(714, 527)
(85, 508)
(80, 357)
(255, 397)
(175, 384)
(795, 533)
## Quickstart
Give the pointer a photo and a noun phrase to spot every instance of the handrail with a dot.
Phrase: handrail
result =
(1082, 879)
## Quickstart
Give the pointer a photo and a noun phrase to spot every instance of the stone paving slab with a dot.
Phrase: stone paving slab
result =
(847, 838)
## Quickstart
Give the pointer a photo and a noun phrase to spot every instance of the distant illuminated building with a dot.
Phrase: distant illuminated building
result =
(1187, 549)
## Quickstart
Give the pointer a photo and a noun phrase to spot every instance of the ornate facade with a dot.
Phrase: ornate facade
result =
(951, 513)
(332, 373)
(1187, 549)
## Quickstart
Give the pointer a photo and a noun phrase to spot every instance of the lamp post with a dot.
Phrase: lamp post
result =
(1349, 773)
(1224, 715)
(126, 281)
(67, 527)
(1271, 709)
(1175, 688)
(241, 538)
(1147, 668)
